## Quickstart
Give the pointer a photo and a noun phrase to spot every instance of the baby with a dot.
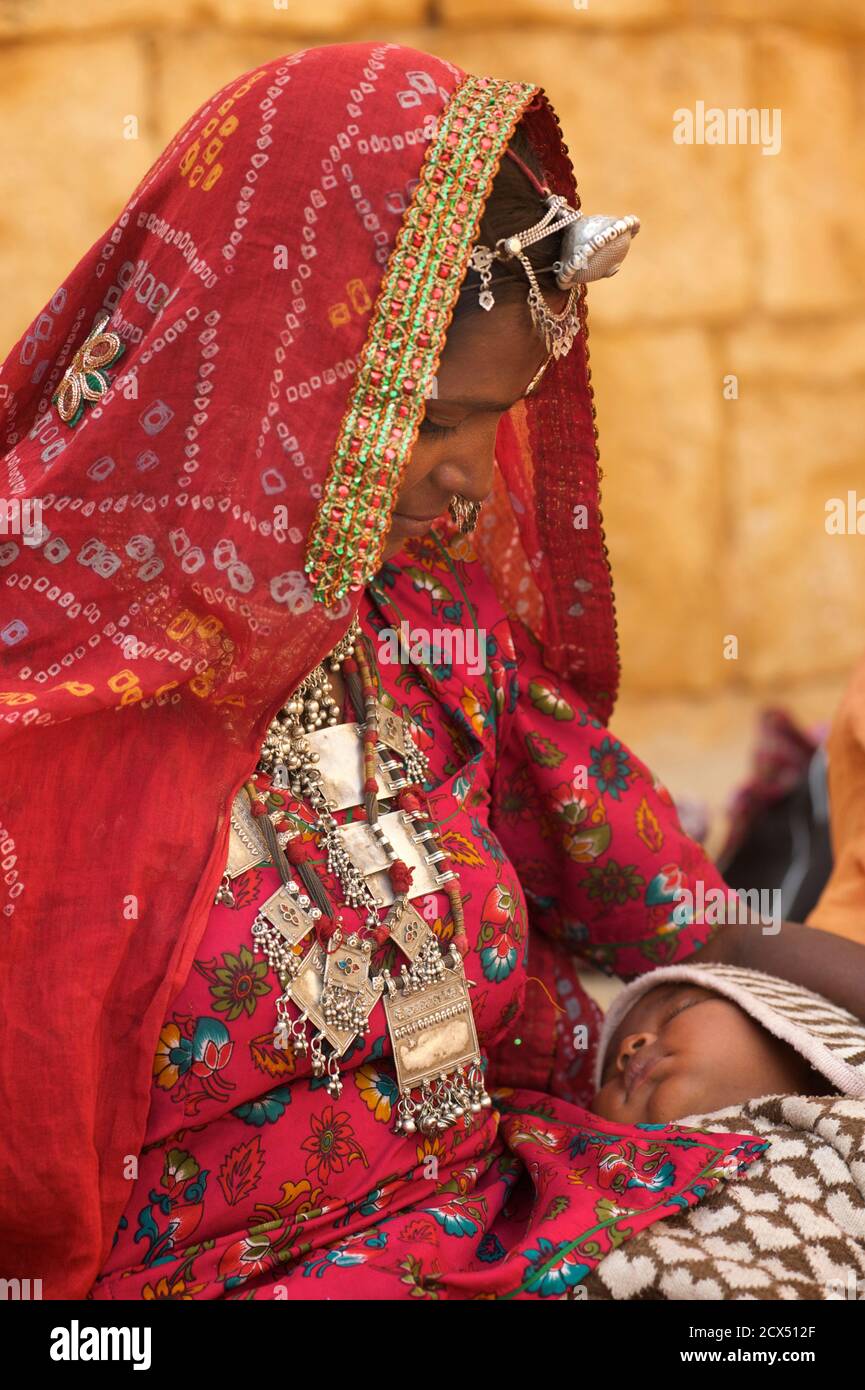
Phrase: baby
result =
(687, 1040)
(727, 1048)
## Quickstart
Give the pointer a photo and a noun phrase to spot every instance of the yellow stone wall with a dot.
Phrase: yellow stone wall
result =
(747, 265)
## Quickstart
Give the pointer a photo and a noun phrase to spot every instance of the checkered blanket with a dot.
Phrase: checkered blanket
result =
(794, 1226)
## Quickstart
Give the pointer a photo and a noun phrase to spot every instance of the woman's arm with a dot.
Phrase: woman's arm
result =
(821, 961)
(594, 838)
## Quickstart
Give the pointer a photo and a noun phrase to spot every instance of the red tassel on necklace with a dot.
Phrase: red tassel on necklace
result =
(400, 876)
(325, 928)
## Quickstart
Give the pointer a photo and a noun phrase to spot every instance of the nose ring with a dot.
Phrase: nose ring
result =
(464, 513)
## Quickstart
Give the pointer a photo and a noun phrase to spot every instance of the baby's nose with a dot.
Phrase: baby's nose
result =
(631, 1044)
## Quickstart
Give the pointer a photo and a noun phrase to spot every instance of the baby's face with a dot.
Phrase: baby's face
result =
(682, 1050)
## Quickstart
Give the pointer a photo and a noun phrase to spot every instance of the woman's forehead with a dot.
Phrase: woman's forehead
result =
(489, 358)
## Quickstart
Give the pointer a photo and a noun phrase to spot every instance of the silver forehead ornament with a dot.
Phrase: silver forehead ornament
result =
(592, 248)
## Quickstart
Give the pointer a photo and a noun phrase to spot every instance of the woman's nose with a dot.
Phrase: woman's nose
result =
(467, 468)
(631, 1044)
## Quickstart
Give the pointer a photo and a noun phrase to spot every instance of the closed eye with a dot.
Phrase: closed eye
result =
(687, 1004)
(437, 431)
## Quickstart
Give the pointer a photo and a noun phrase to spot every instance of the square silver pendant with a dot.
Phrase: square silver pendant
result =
(348, 962)
(306, 990)
(410, 931)
(391, 728)
(283, 911)
(340, 763)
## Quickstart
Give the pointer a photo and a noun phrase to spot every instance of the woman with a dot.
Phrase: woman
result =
(245, 459)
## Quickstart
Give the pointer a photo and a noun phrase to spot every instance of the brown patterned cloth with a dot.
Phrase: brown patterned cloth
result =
(794, 1226)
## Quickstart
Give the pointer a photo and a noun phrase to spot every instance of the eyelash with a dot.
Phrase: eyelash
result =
(438, 431)
(680, 1008)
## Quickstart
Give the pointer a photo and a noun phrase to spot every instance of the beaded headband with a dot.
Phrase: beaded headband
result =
(407, 332)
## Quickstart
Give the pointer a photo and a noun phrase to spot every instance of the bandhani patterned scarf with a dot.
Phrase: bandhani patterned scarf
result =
(206, 425)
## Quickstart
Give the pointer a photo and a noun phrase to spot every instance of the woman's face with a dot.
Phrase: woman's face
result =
(683, 1050)
(488, 361)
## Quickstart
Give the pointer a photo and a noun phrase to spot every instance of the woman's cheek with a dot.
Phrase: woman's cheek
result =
(420, 463)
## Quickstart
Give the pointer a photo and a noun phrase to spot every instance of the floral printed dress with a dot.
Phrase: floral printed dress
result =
(255, 1183)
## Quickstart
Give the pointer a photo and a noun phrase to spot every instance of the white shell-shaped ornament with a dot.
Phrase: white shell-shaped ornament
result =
(593, 248)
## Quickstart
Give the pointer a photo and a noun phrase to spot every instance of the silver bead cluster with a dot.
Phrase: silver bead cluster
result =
(345, 1009)
(442, 1102)
(416, 762)
(269, 941)
(315, 707)
(356, 890)
(311, 707)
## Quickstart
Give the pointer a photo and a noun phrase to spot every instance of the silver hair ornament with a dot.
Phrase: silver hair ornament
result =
(592, 248)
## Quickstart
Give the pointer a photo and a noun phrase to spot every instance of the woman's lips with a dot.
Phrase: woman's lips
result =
(413, 523)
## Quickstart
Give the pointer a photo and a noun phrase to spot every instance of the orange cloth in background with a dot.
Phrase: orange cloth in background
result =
(841, 907)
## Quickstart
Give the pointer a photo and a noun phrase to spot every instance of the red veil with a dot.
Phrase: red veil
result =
(157, 613)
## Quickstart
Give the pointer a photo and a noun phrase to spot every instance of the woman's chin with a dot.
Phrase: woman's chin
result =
(403, 529)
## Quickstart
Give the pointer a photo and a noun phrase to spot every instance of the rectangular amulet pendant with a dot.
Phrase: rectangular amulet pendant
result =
(432, 1030)
(340, 765)
(373, 861)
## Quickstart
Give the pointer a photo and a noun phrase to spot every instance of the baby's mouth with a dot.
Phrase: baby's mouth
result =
(640, 1064)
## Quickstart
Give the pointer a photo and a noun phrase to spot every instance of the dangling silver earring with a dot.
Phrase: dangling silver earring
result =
(480, 260)
(464, 513)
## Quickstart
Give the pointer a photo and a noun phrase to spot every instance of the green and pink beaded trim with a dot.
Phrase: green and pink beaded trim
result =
(407, 333)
